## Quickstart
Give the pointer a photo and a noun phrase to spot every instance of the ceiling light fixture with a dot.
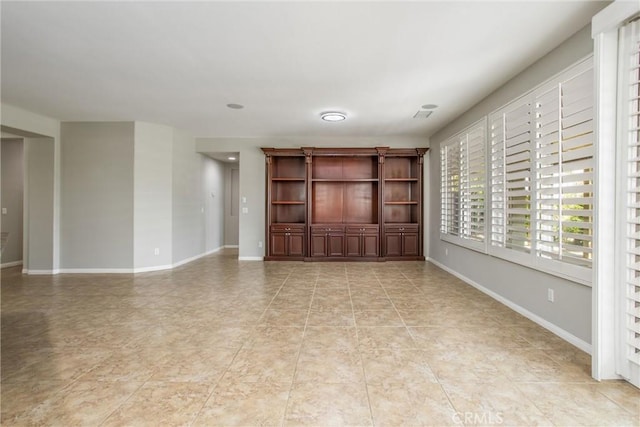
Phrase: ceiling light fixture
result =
(231, 158)
(429, 106)
(235, 106)
(333, 116)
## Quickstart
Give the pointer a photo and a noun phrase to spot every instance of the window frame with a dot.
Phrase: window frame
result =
(463, 239)
(576, 273)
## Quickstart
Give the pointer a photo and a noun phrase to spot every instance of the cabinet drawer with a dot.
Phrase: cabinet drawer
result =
(287, 228)
(323, 229)
(366, 229)
(401, 228)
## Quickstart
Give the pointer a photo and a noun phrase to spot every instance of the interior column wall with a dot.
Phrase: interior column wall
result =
(12, 199)
(98, 196)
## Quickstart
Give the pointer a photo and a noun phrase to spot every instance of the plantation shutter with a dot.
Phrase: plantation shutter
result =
(450, 189)
(511, 147)
(473, 162)
(630, 94)
(462, 162)
(564, 170)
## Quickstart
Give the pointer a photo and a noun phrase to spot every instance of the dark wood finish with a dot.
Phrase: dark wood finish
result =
(287, 240)
(362, 241)
(344, 203)
(402, 240)
(327, 241)
(327, 202)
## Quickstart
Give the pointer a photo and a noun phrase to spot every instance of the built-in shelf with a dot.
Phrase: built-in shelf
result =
(344, 204)
(344, 180)
(410, 202)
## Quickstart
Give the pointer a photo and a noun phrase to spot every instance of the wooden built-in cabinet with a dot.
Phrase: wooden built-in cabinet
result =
(344, 203)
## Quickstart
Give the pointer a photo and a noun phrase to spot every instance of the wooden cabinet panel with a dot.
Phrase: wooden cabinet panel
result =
(336, 244)
(327, 240)
(370, 245)
(318, 245)
(393, 244)
(352, 245)
(327, 202)
(278, 244)
(296, 244)
(410, 244)
(362, 241)
(402, 240)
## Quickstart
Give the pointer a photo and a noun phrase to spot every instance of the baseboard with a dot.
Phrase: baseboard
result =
(121, 270)
(91, 271)
(250, 258)
(40, 272)
(567, 336)
(11, 264)
(230, 246)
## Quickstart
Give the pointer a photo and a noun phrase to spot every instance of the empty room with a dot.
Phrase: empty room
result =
(321, 213)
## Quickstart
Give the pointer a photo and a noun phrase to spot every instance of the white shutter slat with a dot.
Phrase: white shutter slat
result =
(577, 130)
(630, 85)
(579, 117)
(463, 181)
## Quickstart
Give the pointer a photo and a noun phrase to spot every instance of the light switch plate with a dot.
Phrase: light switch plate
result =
(4, 211)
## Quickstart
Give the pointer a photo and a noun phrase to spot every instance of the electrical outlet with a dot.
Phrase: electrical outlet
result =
(4, 211)
(260, 244)
(550, 295)
(156, 251)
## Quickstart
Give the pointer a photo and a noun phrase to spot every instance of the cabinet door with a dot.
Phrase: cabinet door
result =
(318, 245)
(370, 245)
(278, 244)
(296, 244)
(336, 244)
(410, 244)
(394, 244)
(353, 245)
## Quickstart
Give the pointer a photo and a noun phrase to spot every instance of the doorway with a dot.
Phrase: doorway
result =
(12, 222)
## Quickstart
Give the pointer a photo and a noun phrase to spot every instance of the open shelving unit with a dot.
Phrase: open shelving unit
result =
(344, 203)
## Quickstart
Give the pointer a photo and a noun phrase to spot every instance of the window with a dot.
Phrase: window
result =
(629, 91)
(541, 176)
(462, 187)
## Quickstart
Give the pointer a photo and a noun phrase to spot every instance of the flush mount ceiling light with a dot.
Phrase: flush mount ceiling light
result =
(235, 106)
(429, 106)
(333, 116)
(231, 158)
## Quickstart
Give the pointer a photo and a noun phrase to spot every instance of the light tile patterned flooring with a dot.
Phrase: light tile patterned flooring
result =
(222, 342)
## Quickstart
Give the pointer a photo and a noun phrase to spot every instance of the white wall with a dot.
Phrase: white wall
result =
(252, 175)
(97, 195)
(12, 198)
(231, 204)
(570, 314)
(213, 184)
(152, 196)
(188, 228)
(130, 188)
(39, 205)
(42, 173)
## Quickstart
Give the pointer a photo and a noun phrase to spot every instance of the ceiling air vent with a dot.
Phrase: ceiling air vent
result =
(422, 114)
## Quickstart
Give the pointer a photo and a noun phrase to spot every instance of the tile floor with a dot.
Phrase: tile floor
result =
(222, 342)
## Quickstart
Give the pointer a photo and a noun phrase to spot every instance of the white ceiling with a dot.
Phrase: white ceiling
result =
(180, 63)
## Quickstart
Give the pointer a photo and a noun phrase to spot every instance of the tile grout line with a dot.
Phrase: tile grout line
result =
(253, 329)
(295, 368)
(364, 372)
